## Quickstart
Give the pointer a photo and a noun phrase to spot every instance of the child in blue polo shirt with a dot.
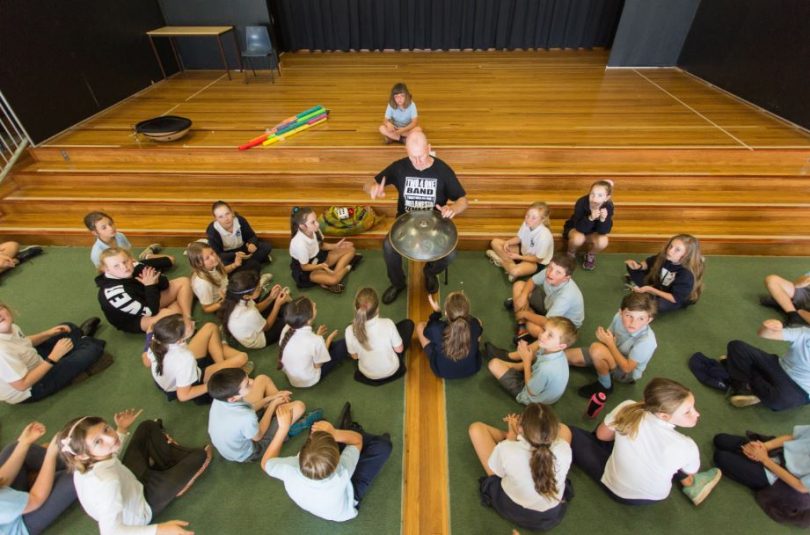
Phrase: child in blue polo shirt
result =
(551, 292)
(234, 426)
(539, 377)
(623, 349)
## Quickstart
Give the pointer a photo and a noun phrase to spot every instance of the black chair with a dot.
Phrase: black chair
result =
(258, 45)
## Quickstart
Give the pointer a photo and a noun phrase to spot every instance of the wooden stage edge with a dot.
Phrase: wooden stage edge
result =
(425, 496)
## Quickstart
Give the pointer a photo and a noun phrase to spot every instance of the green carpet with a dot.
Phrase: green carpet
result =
(729, 309)
(230, 497)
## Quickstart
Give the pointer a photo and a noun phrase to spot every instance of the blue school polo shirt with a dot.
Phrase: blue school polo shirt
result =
(549, 379)
(796, 362)
(638, 346)
(562, 300)
(232, 427)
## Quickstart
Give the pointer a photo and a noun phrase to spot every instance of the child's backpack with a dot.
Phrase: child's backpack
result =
(348, 220)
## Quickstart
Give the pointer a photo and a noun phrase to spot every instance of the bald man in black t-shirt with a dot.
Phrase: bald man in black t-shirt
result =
(423, 183)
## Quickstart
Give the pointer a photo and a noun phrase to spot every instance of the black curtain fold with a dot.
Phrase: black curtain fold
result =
(445, 24)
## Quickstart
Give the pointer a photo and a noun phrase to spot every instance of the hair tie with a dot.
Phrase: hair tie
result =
(66, 441)
(242, 292)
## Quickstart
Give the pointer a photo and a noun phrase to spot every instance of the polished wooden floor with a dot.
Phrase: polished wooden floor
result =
(516, 127)
(552, 98)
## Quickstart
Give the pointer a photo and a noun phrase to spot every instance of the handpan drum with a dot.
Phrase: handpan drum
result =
(423, 235)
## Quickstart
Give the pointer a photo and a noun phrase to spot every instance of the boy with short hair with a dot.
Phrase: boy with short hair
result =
(101, 225)
(322, 480)
(790, 297)
(551, 292)
(235, 428)
(624, 349)
(541, 375)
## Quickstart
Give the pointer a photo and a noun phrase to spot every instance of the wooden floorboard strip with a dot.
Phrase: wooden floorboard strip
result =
(425, 508)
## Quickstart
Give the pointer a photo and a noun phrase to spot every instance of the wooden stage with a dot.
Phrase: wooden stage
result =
(516, 127)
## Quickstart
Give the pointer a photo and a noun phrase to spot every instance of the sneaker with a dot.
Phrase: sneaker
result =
(509, 304)
(269, 258)
(29, 252)
(265, 279)
(150, 249)
(589, 262)
(494, 258)
(431, 284)
(335, 288)
(249, 367)
(305, 423)
(594, 388)
(495, 352)
(703, 484)
(744, 400)
(208, 456)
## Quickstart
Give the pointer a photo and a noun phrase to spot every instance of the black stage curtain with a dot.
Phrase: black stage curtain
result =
(445, 24)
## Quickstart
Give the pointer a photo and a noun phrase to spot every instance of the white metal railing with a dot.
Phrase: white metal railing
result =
(13, 137)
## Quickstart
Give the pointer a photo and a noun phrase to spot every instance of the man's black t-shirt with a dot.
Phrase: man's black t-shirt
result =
(421, 190)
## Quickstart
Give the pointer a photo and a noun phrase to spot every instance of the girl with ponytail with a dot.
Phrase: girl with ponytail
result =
(376, 343)
(182, 361)
(526, 467)
(253, 324)
(304, 356)
(636, 452)
(452, 345)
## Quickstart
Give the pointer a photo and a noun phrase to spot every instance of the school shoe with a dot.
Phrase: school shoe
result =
(794, 319)
(594, 388)
(431, 284)
(269, 258)
(589, 262)
(509, 304)
(495, 352)
(345, 418)
(391, 293)
(90, 326)
(702, 485)
(767, 301)
(494, 258)
(744, 400)
(523, 337)
(355, 261)
(209, 454)
(302, 425)
(29, 252)
(103, 362)
(153, 248)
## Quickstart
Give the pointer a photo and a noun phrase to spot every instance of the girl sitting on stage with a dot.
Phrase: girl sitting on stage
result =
(401, 117)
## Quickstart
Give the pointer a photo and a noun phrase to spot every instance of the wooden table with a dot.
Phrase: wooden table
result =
(193, 31)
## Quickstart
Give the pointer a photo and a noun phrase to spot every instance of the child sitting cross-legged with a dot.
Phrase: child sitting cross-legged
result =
(242, 420)
(623, 350)
(321, 479)
(102, 226)
(541, 373)
(183, 361)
